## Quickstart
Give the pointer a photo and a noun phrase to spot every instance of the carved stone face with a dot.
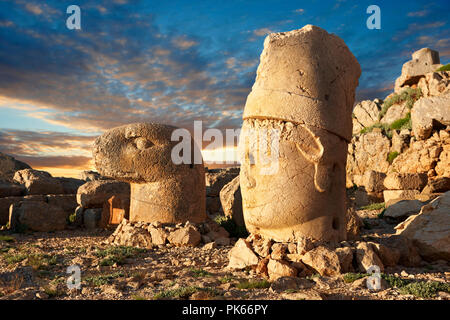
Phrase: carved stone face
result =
(161, 190)
(305, 86)
(138, 152)
(304, 192)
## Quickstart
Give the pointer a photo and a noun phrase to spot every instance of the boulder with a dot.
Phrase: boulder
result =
(241, 256)
(70, 185)
(367, 152)
(429, 230)
(441, 184)
(159, 236)
(374, 181)
(345, 256)
(5, 204)
(394, 196)
(424, 156)
(390, 256)
(94, 194)
(403, 209)
(423, 61)
(366, 257)
(9, 166)
(9, 189)
(216, 179)
(67, 202)
(231, 200)
(37, 216)
(435, 83)
(91, 218)
(397, 244)
(38, 182)
(279, 268)
(92, 175)
(354, 224)
(429, 111)
(323, 260)
(187, 236)
(405, 181)
(395, 112)
(367, 112)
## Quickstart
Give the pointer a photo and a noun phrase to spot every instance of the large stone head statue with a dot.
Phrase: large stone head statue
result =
(161, 190)
(298, 119)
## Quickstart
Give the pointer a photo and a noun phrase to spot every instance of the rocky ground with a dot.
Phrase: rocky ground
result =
(34, 265)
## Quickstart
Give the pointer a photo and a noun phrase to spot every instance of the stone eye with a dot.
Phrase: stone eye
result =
(142, 143)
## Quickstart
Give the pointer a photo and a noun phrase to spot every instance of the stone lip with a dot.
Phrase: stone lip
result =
(306, 76)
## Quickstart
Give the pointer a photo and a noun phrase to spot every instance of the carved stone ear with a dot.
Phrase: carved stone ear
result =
(311, 147)
(323, 176)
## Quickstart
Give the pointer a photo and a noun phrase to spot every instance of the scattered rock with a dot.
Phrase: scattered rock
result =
(345, 256)
(323, 260)
(374, 181)
(241, 255)
(279, 268)
(291, 283)
(187, 236)
(367, 257)
(216, 179)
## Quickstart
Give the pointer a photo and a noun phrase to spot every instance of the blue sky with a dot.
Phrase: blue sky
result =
(172, 62)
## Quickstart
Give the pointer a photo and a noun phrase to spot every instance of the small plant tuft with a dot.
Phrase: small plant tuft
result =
(391, 156)
(444, 68)
(374, 206)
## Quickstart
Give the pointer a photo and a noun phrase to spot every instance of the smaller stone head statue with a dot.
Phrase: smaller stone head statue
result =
(161, 190)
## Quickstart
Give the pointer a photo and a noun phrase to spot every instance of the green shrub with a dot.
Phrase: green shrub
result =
(100, 280)
(184, 292)
(424, 289)
(198, 273)
(444, 68)
(391, 156)
(400, 124)
(408, 95)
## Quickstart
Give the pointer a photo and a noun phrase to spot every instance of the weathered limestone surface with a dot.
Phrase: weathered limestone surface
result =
(423, 61)
(161, 190)
(427, 111)
(429, 230)
(304, 91)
